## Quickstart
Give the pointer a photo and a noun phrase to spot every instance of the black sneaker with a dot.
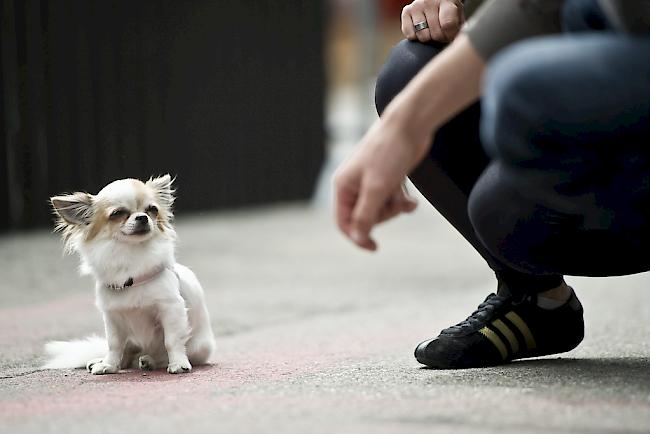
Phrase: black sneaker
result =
(504, 329)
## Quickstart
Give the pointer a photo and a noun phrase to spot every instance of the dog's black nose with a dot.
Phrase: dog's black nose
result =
(141, 218)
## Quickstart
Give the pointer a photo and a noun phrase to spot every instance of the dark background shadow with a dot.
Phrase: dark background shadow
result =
(228, 96)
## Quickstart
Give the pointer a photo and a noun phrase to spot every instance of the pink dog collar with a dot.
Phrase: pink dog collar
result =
(141, 280)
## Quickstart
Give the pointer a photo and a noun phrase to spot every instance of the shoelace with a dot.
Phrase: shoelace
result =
(482, 314)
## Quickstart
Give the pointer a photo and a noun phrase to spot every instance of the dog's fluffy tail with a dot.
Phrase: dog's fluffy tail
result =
(74, 354)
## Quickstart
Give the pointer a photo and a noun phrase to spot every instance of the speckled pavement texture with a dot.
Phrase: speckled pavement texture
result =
(315, 336)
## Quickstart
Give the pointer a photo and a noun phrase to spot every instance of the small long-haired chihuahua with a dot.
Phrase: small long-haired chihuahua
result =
(153, 308)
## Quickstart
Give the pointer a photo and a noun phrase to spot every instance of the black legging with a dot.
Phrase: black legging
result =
(455, 162)
(534, 218)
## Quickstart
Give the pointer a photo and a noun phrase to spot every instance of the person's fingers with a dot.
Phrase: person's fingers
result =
(346, 193)
(345, 202)
(449, 18)
(431, 12)
(407, 203)
(372, 197)
(403, 201)
(390, 209)
(388, 213)
(399, 202)
(418, 16)
(407, 24)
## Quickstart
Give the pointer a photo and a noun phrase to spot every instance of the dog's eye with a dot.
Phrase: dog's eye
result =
(152, 209)
(118, 213)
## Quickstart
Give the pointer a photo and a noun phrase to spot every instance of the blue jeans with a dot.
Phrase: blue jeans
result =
(550, 174)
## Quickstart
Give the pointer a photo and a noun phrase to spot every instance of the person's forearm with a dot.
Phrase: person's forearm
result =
(446, 85)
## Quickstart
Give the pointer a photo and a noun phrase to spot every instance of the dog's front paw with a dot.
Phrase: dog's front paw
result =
(181, 367)
(101, 368)
(91, 363)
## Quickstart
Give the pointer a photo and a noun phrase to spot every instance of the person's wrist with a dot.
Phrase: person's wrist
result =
(406, 123)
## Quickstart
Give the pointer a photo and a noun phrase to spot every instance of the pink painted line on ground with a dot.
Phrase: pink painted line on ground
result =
(245, 360)
(133, 392)
(272, 362)
(23, 322)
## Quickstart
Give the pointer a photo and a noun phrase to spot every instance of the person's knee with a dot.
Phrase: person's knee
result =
(404, 62)
(513, 108)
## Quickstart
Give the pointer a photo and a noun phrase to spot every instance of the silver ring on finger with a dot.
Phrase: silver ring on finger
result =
(421, 26)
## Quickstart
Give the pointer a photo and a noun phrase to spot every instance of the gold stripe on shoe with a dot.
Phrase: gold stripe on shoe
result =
(523, 328)
(496, 340)
(512, 339)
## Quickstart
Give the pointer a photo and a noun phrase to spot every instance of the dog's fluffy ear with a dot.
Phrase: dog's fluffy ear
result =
(74, 209)
(162, 187)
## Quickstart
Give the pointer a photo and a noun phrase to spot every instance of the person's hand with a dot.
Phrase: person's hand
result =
(369, 185)
(443, 18)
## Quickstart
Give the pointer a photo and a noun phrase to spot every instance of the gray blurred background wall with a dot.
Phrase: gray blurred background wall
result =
(227, 95)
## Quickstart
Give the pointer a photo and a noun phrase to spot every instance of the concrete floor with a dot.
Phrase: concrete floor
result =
(315, 336)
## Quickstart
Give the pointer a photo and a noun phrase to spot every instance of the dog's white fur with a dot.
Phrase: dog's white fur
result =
(162, 322)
